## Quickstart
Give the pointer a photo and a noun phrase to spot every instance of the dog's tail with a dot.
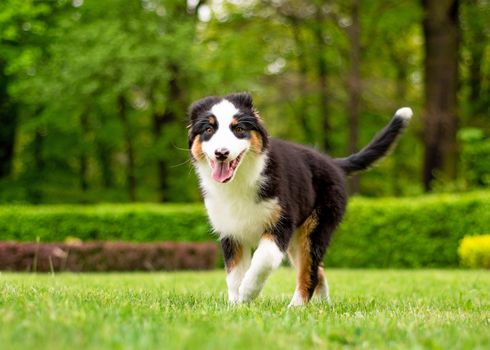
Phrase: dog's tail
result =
(379, 145)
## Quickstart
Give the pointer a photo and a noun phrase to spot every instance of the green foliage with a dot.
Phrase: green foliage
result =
(475, 156)
(410, 232)
(65, 64)
(474, 251)
(137, 223)
(371, 310)
(93, 55)
(79, 57)
(414, 232)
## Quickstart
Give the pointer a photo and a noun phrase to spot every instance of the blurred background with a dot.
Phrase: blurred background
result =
(94, 94)
(93, 103)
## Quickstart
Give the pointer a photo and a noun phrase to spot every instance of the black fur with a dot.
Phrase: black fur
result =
(198, 115)
(376, 149)
(229, 247)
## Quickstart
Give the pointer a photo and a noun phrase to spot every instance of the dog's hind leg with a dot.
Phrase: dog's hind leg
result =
(321, 290)
(300, 254)
(307, 249)
(266, 258)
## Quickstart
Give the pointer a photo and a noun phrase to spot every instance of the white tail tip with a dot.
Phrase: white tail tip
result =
(405, 113)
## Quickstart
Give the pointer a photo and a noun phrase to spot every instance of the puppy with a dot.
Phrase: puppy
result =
(271, 195)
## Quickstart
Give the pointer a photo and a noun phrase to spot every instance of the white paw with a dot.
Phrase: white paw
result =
(233, 296)
(233, 301)
(297, 300)
(247, 294)
(245, 297)
(323, 294)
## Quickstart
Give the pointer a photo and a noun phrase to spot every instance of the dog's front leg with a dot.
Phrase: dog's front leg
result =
(237, 261)
(266, 258)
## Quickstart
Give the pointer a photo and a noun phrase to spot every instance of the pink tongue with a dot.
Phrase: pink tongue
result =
(221, 171)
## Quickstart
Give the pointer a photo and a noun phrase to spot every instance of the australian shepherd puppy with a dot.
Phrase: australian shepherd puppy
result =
(271, 195)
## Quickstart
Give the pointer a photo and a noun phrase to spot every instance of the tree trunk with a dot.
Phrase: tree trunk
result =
(104, 152)
(442, 36)
(159, 122)
(8, 126)
(477, 42)
(354, 88)
(322, 72)
(130, 170)
(174, 97)
(35, 177)
(38, 152)
(476, 78)
(104, 158)
(83, 171)
(302, 110)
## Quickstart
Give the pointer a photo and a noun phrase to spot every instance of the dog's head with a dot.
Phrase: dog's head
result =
(223, 131)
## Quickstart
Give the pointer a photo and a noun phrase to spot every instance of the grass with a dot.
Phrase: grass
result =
(435, 309)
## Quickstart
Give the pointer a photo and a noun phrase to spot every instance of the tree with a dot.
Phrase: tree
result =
(476, 39)
(21, 27)
(94, 94)
(354, 86)
(8, 123)
(442, 41)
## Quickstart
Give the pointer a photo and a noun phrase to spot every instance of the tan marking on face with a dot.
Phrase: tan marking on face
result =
(256, 143)
(237, 257)
(303, 256)
(212, 120)
(196, 149)
(234, 121)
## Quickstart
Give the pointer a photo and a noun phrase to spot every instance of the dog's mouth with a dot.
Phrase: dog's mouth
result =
(223, 171)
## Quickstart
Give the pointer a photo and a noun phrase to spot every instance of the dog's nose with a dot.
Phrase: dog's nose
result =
(221, 153)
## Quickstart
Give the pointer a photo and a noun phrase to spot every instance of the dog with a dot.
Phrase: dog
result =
(271, 195)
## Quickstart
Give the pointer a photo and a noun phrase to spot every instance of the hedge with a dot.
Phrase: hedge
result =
(410, 232)
(390, 232)
(107, 256)
(118, 222)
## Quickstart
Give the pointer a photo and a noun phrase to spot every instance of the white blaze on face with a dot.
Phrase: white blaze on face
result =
(224, 138)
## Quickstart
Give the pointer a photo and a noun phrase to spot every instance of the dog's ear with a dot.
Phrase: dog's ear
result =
(241, 99)
(201, 106)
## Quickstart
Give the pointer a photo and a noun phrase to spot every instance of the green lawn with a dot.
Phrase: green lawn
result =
(434, 309)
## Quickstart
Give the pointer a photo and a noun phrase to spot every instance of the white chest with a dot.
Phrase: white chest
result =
(241, 217)
(233, 208)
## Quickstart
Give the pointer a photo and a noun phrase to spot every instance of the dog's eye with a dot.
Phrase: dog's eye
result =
(239, 130)
(208, 130)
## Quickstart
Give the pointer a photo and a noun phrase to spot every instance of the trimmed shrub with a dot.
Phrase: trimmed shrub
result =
(107, 256)
(118, 222)
(409, 232)
(389, 232)
(474, 251)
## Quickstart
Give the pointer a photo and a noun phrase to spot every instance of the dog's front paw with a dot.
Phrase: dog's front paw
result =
(247, 294)
(237, 300)
(243, 300)
(234, 301)
(233, 297)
